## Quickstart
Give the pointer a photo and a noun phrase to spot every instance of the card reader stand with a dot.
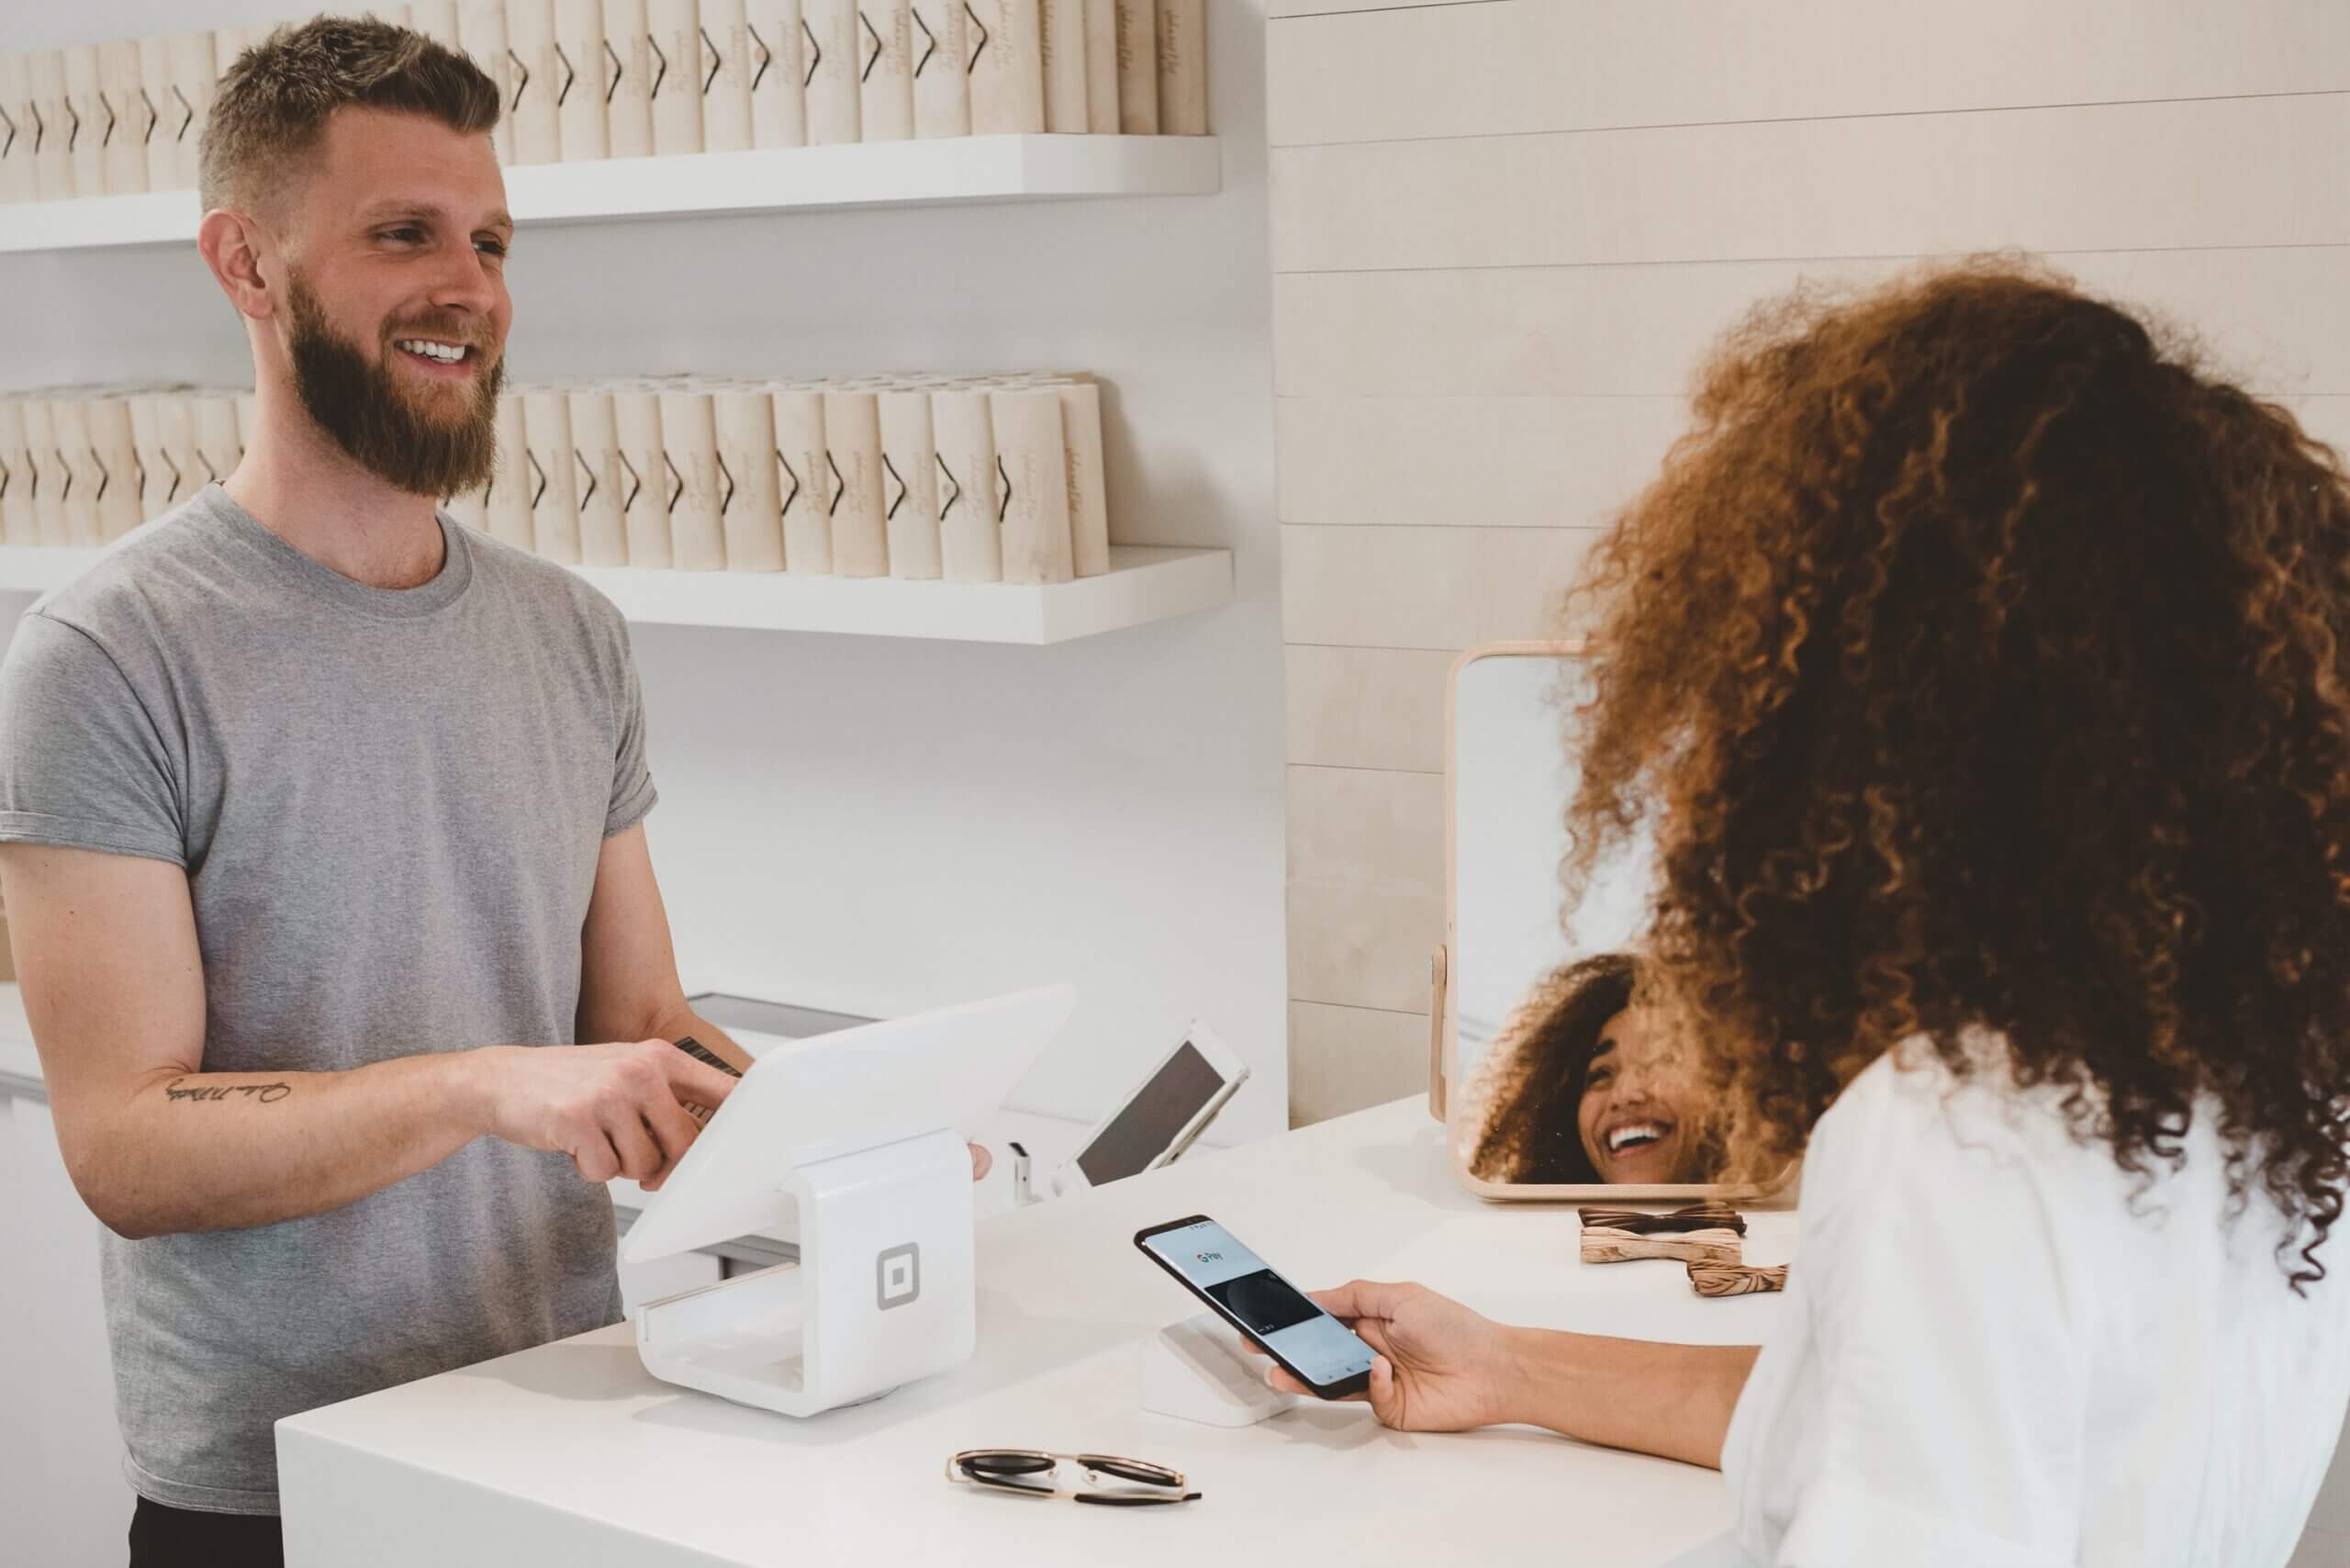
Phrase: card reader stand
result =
(849, 1134)
(1199, 1370)
(883, 1294)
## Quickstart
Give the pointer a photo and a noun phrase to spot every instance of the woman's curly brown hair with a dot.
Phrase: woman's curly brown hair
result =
(1539, 1066)
(1987, 661)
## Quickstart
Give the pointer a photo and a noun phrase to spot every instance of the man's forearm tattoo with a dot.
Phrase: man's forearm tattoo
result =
(267, 1093)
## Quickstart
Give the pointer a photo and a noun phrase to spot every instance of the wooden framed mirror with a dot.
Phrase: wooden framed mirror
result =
(1552, 1082)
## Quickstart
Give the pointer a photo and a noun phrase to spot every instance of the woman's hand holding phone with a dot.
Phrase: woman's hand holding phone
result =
(1441, 1367)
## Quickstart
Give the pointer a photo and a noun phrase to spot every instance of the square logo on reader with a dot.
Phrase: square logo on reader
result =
(897, 1276)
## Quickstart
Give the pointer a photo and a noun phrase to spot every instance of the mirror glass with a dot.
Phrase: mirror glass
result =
(1556, 1081)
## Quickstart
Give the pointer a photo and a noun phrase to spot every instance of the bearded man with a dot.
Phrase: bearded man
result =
(322, 832)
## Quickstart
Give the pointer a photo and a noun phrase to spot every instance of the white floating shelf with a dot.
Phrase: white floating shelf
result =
(1144, 582)
(947, 170)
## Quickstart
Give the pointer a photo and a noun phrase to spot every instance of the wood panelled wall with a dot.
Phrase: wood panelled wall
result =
(1505, 231)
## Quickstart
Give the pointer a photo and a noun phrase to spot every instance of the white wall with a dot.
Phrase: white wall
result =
(1505, 233)
(879, 826)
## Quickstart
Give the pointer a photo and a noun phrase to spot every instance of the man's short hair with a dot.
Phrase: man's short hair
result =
(275, 100)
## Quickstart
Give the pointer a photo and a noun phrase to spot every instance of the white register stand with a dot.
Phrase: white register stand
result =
(854, 1135)
(573, 1453)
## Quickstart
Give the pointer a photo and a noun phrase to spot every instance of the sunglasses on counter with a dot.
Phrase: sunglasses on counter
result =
(1101, 1479)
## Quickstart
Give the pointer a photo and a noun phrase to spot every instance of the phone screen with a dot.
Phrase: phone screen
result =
(1270, 1310)
(1183, 1084)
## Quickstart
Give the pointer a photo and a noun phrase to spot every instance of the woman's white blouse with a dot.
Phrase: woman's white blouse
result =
(1995, 1353)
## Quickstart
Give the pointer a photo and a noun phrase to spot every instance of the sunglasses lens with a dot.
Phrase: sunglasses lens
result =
(1132, 1499)
(1004, 1464)
(1133, 1470)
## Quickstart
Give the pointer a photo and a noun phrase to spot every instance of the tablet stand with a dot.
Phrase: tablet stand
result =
(884, 1291)
(1199, 1370)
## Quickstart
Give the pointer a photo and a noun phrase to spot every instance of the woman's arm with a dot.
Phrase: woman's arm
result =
(1672, 1400)
(1443, 1368)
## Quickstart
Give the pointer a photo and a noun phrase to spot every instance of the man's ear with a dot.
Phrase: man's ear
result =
(231, 242)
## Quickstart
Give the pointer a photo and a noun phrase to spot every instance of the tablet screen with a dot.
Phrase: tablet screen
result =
(1154, 1118)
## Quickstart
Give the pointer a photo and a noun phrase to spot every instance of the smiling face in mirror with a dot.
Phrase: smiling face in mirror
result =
(1587, 1086)
(1641, 1117)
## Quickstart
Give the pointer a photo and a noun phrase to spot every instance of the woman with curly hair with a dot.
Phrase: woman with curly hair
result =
(1584, 1086)
(1985, 660)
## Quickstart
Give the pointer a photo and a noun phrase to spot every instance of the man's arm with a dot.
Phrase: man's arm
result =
(628, 988)
(113, 982)
(628, 968)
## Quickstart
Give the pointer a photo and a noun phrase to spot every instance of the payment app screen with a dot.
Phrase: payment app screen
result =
(1300, 1333)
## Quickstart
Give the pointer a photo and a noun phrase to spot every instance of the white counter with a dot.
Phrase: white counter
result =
(572, 1453)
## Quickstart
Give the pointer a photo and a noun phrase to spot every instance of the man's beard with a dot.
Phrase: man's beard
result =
(357, 401)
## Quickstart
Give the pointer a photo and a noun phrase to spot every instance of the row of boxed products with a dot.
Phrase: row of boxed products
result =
(970, 478)
(83, 465)
(589, 79)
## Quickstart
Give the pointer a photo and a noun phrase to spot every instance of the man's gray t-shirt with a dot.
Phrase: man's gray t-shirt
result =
(390, 805)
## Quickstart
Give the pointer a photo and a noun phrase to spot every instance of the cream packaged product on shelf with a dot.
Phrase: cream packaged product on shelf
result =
(1102, 67)
(113, 454)
(227, 43)
(853, 460)
(675, 26)
(153, 464)
(157, 113)
(52, 126)
(628, 94)
(1062, 24)
(16, 475)
(750, 503)
(580, 130)
(553, 474)
(778, 74)
(217, 449)
(1032, 466)
(436, 20)
(181, 455)
(727, 60)
(1088, 500)
(886, 71)
(194, 78)
(805, 478)
(942, 81)
(508, 501)
(1007, 67)
(969, 533)
(689, 441)
(1182, 68)
(835, 94)
(644, 475)
(69, 413)
(85, 120)
(129, 122)
(46, 467)
(469, 508)
(909, 476)
(600, 479)
(17, 180)
(481, 29)
(538, 81)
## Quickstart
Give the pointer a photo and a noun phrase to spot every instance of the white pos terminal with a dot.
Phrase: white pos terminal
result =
(859, 1132)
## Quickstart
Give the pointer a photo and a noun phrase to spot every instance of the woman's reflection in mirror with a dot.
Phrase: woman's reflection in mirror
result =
(1590, 1083)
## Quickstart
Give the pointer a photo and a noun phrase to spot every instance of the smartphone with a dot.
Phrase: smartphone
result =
(1311, 1346)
